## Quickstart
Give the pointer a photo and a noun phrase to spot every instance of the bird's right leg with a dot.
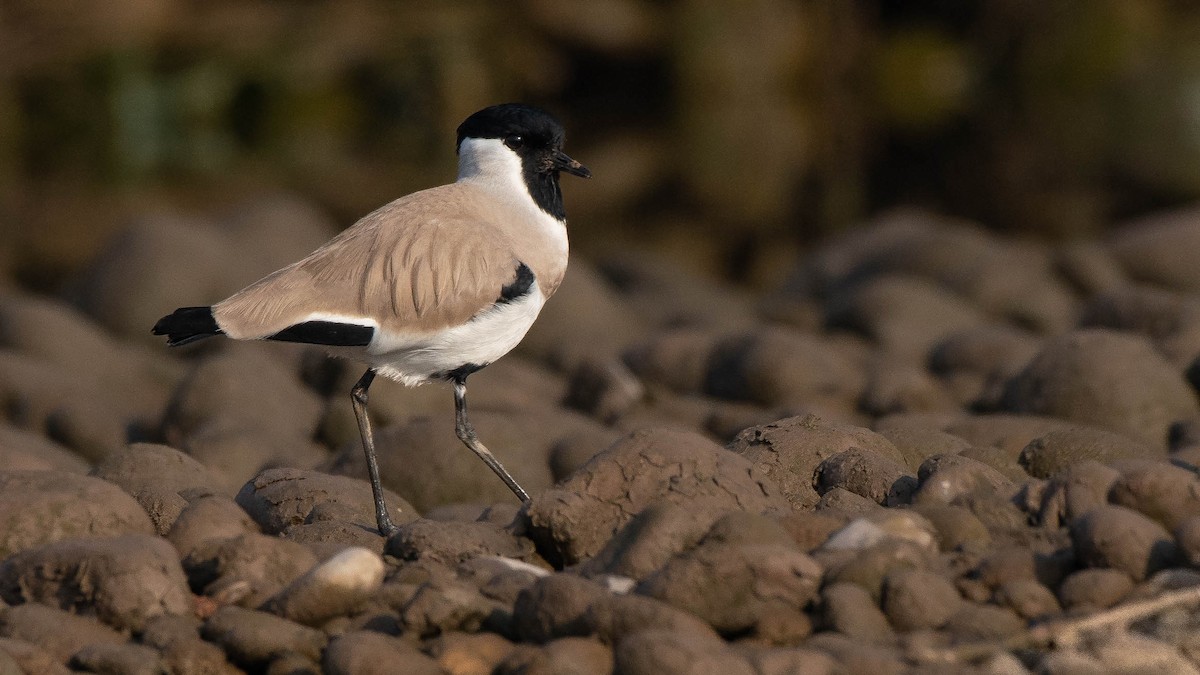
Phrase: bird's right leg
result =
(358, 400)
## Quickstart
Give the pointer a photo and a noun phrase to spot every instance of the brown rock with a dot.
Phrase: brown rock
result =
(22, 450)
(957, 528)
(254, 565)
(868, 474)
(740, 588)
(142, 467)
(500, 579)
(253, 638)
(455, 542)
(1130, 652)
(677, 359)
(774, 366)
(615, 617)
(842, 502)
(654, 651)
(370, 653)
(118, 659)
(1007, 432)
(855, 657)
(58, 632)
(903, 314)
(808, 529)
(1029, 599)
(660, 531)
(1155, 249)
(871, 566)
(177, 638)
(243, 390)
(917, 443)
(998, 459)
(604, 389)
(1002, 565)
(326, 538)
(785, 661)
(1164, 492)
(38, 507)
(1093, 589)
(992, 352)
(35, 390)
(900, 386)
(291, 663)
(1154, 312)
(1121, 538)
(48, 329)
(1187, 534)
(556, 606)
(20, 656)
(790, 450)
(1057, 450)
(588, 318)
(159, 477)
(850, 610)
(279, 498)
(948, 479)
(1089, 267)
(574, 520)
(577, 448)
(442, 605)
(207, 521)
(123, 580)
(984, 622)
(159, 259)
(470, 654)
(917, 599)
(236, 453)
(1104, 378)
(1076, 491)
(566, 655)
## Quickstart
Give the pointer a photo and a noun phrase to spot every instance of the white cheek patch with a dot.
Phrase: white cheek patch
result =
(490, 160)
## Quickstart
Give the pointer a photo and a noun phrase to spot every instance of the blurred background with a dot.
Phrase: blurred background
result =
(729, 134)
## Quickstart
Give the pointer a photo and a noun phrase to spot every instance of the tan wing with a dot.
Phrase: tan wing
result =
(419, 264)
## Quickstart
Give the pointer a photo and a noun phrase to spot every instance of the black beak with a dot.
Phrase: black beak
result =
(561, 162)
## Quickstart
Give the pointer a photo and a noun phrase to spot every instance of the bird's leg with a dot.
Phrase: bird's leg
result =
(466, 434)
(358, 400)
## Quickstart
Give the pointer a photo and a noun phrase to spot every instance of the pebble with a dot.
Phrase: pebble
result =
(331, 588)
(125, 581)
(1121, 538)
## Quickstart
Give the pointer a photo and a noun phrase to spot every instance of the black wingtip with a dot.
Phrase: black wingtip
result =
(186, 325)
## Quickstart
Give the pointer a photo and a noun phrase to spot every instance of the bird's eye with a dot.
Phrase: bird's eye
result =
(514, 141)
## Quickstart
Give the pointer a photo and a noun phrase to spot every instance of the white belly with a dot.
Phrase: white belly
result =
(413, 359)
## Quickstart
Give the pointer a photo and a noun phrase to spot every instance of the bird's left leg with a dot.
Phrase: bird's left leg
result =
(466, 434)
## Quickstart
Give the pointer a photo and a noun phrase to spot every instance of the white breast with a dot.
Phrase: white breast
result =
(414, 359)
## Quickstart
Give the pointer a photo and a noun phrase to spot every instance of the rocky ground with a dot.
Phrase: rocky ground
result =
(933, 449)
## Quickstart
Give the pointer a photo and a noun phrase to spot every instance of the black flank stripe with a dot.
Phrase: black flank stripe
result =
(329, 333)
(519, 287)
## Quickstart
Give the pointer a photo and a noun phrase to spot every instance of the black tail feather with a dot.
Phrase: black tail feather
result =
(186, 325)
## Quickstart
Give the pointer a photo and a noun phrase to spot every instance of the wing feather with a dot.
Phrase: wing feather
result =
(417, 265)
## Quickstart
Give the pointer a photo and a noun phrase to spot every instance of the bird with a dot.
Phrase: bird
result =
(431, 287)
